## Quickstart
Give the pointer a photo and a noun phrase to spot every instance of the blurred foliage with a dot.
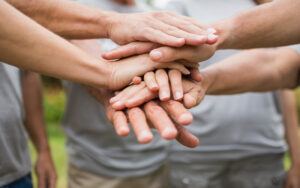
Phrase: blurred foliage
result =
(54, 103)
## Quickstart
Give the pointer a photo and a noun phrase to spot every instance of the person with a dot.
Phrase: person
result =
(241, 136)
(99, 156)
(21, 108)
(71, 63)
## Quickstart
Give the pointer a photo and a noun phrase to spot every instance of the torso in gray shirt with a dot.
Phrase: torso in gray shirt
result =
(92, 143)
(229, 127)
(14, 153)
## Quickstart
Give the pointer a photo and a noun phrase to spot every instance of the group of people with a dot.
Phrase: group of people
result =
(121, 62)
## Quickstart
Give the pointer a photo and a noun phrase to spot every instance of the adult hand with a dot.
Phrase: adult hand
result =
(163, 54)
(136, 95)
(161, 27)
(153, 114)
(120, 73)
(45, 170)
(293, 177)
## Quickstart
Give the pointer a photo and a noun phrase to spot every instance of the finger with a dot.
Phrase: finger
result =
(179, 113)
(185, 137)
(190, 38)
(160, 120)
(137, 80)
(42, 181)
(176, 84)
(120, 123)
(195, 75)
(134, 48)
(141, 97)
(52, 180)
(118, 102)
(168, 54)
(150, 81)
(193, 98)
(161, 37)
(139, 124)
(212, 38)
(163, 83)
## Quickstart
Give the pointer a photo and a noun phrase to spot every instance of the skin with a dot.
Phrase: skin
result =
(35, 126)
(145, 117)
(290, 118)
(71, 63)
(154, 114)
(220, 78)
(84, 22)
(277, 26)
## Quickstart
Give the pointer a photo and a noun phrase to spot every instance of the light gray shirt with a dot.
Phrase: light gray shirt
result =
(229, 127)
(14, 153)
(92, 143)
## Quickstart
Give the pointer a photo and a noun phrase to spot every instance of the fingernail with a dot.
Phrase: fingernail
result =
(211, 30)
(118, 104)
(145, 137)
(212, 37)
(178, 95)
(185, 119)
(156, 54)
(164, 96)
(112, 100)
(201, 38)
(123, 131)
(169, 133)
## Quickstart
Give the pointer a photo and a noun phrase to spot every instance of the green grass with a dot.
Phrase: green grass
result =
(54, 102)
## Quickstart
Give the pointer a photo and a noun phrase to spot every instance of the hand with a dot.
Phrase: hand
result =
(165, 28)
(293, 177)
(137, 95)
(156, 113)
(120, 73)
(45, 170)
(163, 54)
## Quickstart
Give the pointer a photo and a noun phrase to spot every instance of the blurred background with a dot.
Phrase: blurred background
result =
(54, 103)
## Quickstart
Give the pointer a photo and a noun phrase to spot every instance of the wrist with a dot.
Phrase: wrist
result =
(209, 77)
(106, 20)
(224, 30)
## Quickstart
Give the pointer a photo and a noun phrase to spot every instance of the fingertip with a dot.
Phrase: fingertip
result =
(155, 55)
(185, 119)
(123, 131)
(212, 38)
(169, 133)
(178, 96)
(118, 105)
(164, 96)
(137, 80)
(145, 137)
(189, 101)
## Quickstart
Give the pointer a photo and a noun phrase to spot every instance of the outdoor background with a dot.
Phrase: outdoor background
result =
(54, 102)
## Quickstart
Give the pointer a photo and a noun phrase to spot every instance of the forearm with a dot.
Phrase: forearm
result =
(34, 119)
(26, 44)
(66, 18)
(268, 25)
(254, 70)
(289, 112)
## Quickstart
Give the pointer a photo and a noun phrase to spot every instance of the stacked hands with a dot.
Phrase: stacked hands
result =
(160, 100)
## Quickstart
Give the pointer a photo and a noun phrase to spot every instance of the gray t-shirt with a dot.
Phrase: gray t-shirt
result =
(229, 127)
(92, 143)
(14, 153)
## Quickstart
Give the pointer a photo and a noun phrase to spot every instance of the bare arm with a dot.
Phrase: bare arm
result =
(253, 70)
(74, 21)
(271, 24)
(35, 126)
(289, 110)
